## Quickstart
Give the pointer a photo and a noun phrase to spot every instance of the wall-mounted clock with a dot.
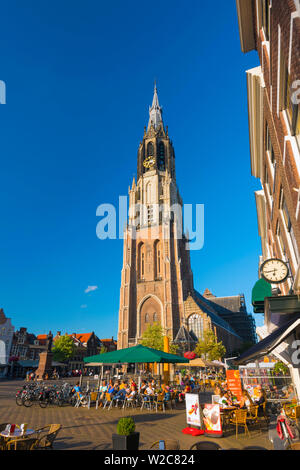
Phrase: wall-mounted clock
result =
(274, 271)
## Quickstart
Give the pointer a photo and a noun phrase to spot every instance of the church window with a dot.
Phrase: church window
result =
(195, 324)
(161, 156)
(150, 149)
(141, 261)
(146, 318)
(155, 317)
(157, 259)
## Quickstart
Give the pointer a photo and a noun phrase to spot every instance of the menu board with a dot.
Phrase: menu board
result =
(234, 383)
(192, 409)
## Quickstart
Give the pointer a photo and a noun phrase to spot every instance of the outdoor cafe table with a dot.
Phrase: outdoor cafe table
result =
(17, 434)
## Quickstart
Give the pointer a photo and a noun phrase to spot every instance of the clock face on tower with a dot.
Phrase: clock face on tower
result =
(274, 271)
(149, 162)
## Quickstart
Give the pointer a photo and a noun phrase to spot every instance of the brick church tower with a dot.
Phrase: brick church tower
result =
(156, 275)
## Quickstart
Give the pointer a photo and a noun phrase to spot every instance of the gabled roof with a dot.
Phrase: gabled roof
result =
(82, 337)
(209, 308)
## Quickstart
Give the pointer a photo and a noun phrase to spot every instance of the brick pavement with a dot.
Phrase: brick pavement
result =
(87, 429)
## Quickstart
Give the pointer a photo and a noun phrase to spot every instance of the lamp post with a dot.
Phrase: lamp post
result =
(228, 359)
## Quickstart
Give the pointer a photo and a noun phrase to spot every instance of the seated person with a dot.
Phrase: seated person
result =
(260, 402)
(187, 389)
(123, 385)
(223, 401)
(245, 400)
(120, 395)
(290, 394)
(143, 386)
(130, 394)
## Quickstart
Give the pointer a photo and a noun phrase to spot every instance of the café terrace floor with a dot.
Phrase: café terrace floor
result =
(91, 429)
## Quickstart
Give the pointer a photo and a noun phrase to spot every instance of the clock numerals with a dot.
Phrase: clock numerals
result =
(274, 271)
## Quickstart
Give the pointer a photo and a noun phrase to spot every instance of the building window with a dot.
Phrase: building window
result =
(161, 156)
(155, 317)
(141, 261)
(157, 259)
(150, 215)
(146, 318)
(265, 16)
(195, 324)
(292, 108)
(150, 150)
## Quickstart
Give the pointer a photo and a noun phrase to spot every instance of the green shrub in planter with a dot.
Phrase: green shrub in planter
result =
(126, 426)
(126, 437)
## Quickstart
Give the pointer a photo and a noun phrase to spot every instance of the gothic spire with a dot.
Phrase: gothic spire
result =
(155, 112)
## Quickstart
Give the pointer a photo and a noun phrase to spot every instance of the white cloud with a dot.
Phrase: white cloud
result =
(90, 289)
(83, 306)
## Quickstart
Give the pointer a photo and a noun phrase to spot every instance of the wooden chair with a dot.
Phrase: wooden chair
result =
(22, 444)
(2, 439)
(206, 445)
(51, 431)
(252, 416)
(160, 402)
(239, 418)
(169, 444)
(295, 413)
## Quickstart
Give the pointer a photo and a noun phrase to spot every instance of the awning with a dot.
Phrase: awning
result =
(136, 354)
(260, 291)
(266, 346)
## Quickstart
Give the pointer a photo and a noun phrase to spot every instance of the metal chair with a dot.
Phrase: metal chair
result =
(206, 445)
(108, 401)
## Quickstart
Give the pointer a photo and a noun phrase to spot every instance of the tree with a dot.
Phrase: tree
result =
(63, 348)
(103, 349)
(209, 347)
(153, 337)
(281, 368)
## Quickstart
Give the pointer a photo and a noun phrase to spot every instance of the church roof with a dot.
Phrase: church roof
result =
(208, 307)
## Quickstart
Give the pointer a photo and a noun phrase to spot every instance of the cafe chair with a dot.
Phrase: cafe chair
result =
(2, 439)
(160, 403)
(46, 440)
(253, 417)
(239, 419)
(22, 444)
(206, 445)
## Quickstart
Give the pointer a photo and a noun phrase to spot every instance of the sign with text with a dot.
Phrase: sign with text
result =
(192, 406)
(234, 383)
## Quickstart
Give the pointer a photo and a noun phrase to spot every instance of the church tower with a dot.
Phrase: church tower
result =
(156, 275)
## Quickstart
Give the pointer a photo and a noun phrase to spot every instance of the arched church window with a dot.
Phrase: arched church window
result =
(147, 318)
(195, 324)
(141, 261)
(155, 317)
(157, 259)
(150, 150)
(161, 156)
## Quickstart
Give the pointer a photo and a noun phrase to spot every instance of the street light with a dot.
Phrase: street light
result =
(228, 359)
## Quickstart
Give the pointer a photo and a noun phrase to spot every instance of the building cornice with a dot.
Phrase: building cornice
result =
(245, 14)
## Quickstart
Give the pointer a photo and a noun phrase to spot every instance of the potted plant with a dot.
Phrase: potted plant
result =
(126, 437)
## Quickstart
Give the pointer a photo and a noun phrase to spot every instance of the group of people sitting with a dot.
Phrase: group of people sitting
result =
(228, 399)
(121, 390)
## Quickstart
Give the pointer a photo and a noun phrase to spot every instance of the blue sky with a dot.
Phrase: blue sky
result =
(79, 79)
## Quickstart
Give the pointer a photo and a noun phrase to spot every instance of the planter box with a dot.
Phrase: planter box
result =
(126, 442)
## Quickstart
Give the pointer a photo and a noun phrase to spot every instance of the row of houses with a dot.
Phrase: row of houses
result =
(23, 348)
